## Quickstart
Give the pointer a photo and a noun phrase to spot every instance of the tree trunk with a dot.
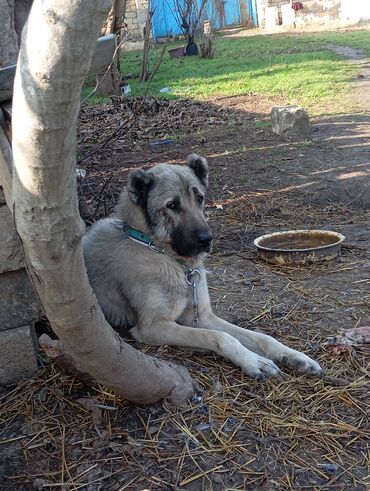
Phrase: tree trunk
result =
(57, 47)
(144, 75)
(206, 46)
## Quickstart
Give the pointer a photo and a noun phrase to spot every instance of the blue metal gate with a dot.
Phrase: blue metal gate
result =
(164, 21)
(252, 11)
(232, 15)
(223, 13)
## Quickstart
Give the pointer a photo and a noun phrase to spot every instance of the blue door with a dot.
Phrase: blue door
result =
(164, 21)
(252, 11)
(231, 10)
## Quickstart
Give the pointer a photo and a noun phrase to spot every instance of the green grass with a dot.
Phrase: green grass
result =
(293, 68)
(354, 39)
(262, 124)
(92, 99)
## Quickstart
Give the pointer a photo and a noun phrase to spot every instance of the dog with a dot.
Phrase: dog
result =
(145, 264)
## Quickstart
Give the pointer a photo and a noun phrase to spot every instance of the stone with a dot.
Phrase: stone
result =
(11, 253)
(18, 302)
(18, 359)
(290, 121)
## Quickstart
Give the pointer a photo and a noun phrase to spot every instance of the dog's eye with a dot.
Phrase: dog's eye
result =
(200, 199)
(172, 205)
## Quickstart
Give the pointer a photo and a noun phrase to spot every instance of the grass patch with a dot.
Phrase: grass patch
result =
(94, 99)
(262, 124)
(293, 68)
(354, 39)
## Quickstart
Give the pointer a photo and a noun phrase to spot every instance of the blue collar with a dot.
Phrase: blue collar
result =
(144, 239)
(140, 237)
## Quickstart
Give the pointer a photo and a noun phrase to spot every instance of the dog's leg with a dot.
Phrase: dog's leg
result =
(262, 344)
(167, 332)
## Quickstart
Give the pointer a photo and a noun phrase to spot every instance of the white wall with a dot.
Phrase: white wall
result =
(355, 10)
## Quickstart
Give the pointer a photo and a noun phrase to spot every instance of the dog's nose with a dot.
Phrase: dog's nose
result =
(205, 238)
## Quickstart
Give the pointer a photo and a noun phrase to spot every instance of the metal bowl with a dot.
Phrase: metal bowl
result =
(299, 246)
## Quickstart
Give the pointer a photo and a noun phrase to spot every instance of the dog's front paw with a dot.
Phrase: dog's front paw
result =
(301, 362)
(259, 367)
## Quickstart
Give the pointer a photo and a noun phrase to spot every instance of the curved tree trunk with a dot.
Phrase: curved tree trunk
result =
(56, 51)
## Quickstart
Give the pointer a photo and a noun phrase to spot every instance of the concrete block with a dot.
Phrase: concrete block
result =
(18, 354)
(287, 15)
(290, 121)
(19, 305)
(131, 23)
(11, 253)
(130, 15)
(271, 17)
(141, 16)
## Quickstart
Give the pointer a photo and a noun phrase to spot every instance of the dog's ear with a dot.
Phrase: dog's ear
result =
(139, 185)
(200, 167)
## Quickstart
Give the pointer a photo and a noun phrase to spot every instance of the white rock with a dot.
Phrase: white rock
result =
(290, 120)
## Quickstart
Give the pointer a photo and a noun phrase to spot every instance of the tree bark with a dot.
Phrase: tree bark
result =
(56, 50)
(144, 75)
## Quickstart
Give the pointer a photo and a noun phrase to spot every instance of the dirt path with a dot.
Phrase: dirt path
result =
(284, 434)
(361, 86)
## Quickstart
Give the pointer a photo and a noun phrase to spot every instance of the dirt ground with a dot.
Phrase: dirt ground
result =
(291, 433)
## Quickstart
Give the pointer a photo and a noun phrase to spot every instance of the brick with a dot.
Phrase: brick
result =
(18, 303)
(18, 348)
(11, 253)
(141, 16)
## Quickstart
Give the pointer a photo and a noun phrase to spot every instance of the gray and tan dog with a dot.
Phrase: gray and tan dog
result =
(145, 264)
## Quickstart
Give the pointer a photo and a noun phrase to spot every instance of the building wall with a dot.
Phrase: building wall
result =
(19, 307)
(135, 18)
(353, 11)
(313, 12)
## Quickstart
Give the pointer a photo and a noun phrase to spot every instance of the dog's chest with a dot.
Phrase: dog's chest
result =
(176, 289)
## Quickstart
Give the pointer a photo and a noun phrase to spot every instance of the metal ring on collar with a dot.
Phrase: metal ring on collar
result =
(154, 248)
(193, 277)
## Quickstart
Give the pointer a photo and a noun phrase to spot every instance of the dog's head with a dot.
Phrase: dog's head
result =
(172, 198)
